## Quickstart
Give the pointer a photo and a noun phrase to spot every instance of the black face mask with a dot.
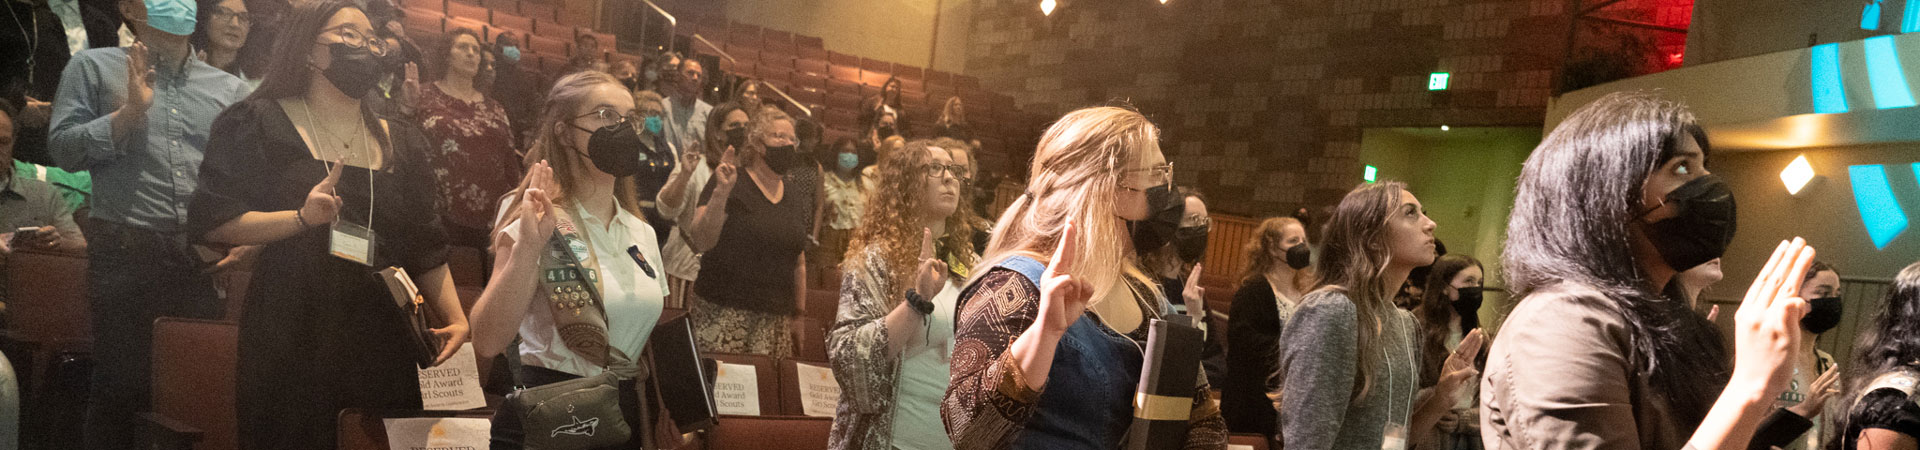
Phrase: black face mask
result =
(781, 159)
(353, 70)
(1191, 242)
(886, 131)
(1299, 256)
(615, 149)
(1164, 208)
(1702, 226)
(1468, 307)
(632, 84)
(737, 138)
(1822, 314)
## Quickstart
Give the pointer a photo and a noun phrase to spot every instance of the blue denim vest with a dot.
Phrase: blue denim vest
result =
(1088, 399)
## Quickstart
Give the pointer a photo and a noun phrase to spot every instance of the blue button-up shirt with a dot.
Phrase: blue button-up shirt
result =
(147, 178)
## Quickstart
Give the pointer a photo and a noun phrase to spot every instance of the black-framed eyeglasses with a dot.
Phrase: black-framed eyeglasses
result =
(359, 39)
(940, 172)
(220, 13)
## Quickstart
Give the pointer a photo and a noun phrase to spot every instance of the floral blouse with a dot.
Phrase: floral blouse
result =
(868, 372)
(474, 161)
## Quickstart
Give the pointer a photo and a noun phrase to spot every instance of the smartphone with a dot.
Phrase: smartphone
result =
(24, 235)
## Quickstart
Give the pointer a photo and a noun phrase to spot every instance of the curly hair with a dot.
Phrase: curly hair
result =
(889, 222)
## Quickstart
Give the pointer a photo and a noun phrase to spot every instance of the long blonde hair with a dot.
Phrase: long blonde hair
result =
(1074, 178)
(890, 224)
(553, 143)
(1267, 238)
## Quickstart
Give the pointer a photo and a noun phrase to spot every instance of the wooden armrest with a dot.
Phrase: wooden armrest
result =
(168, 434)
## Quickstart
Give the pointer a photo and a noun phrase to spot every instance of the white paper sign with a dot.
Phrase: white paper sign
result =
(819, 393)
(736, 390)
(1239, 447)
(453, 385)
(439, 433)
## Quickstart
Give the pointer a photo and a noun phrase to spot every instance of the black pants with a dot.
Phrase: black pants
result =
(134, 276)
(508, 434)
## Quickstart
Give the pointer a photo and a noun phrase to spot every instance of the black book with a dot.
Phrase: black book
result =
(1164, 399)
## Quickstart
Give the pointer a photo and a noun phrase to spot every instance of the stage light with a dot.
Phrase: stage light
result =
(1796, 175)
(1444, 128)
(1046, 7)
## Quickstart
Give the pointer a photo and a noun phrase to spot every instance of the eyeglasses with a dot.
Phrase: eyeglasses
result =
(1162, 173)
(222, 13)
(940, 172)
(608, 115)
(1198, 221)
(359, 39)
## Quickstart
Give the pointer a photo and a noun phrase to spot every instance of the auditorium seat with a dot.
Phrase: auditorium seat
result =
(419, 21)
(809, 42)
(842, 59)
(769, 433)
(502, 6)
(875, 79)
(1246, 441)
(551, 29)
(366, 429)
(426, 5)
(539, 11)
(791, 397)
(465, 10)
(547, 45)
(455, 23)
(766, 377)
(810, 338)
(813, 53)
(520, 24)
(193, 384)
(47, 306)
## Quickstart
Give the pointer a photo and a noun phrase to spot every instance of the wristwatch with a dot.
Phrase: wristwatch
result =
(920, 304)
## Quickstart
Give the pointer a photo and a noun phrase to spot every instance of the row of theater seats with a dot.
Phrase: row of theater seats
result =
(545, 32)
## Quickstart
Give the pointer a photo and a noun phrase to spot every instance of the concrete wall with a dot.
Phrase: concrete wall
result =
(1728, 29)
(1263, 101)
(899, 31)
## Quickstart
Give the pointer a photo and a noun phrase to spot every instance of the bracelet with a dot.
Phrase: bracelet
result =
(920, 304)
(300, 218)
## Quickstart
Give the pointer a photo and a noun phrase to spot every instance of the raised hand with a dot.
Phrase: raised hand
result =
(1818, 392)
(536, 206)
(1767, 326)
(1194, 295)
(140, 76)
(323, 204)
(690, 158)
(726, 174)
(930, 277)
(410, 87)
(1459, 366)
(1063, 298)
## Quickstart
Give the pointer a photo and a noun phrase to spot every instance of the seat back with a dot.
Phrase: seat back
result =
(1246, 441)
(193, 376)
(769, 433)
(794, 379)
(766, 378)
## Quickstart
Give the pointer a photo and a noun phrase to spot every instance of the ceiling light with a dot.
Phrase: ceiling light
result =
(1797, 174)
(1046, 7)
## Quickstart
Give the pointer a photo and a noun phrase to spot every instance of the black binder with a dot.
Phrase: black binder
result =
(1164, 398)
(686, 384)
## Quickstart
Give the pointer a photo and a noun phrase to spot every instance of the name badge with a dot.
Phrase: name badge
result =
(1396, 437)
(351, 242)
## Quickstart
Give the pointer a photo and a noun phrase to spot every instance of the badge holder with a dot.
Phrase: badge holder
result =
(1396, 436)
(351, 242)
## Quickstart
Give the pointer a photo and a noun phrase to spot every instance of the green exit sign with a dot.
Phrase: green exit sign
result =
(1437, 81)
(1371, 174)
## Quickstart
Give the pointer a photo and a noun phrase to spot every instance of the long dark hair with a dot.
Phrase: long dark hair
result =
(1436, 312)
(1572, 223)
(716, 134)
(438, 64)
(1890, 340)
(1352, 259)
(288, 72)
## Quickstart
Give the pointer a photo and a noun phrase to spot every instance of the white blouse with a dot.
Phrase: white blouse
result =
(633, 298)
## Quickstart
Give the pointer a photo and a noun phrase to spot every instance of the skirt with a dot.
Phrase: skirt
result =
(723, 329)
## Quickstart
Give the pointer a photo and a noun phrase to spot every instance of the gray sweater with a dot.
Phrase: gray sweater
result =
(1318, 363)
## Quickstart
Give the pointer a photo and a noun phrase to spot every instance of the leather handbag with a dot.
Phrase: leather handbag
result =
(422, 344)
